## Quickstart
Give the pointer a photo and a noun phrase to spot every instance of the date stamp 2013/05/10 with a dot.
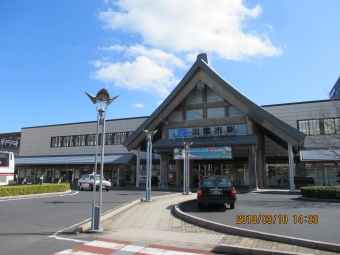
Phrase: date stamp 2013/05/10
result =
(276, 219)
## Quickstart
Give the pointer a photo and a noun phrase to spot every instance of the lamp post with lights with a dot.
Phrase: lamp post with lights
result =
(102, 100)
(186, 171)
(149, 136)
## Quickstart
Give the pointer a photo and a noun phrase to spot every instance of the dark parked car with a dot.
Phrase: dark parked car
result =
(216, 189)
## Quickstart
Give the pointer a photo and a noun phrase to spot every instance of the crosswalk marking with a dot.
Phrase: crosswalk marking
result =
(134, 247)
(110, 247)
(155, 251)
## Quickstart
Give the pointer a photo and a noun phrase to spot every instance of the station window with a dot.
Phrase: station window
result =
(91, 140)
(175, 116)
(218, 112)
(194, 114)
(195, 97)
(233, 111)
(108, 138)
(212, 96)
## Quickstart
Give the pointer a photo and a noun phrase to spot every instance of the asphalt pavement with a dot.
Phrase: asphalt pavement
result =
(279, 214)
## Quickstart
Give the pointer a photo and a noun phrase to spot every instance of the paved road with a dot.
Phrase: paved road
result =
(29, 225)
(326, 230)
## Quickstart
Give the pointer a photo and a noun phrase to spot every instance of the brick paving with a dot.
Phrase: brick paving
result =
(153, 223)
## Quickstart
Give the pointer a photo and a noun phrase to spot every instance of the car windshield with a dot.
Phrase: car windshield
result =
(215, 181)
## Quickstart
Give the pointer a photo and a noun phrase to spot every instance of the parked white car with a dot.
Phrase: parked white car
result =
(87, 182)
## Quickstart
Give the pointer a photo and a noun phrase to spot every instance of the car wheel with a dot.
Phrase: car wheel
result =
(200, 206)
(232, 206)
(91, 188)
(107, 189)
(80, 187)
(97, 188)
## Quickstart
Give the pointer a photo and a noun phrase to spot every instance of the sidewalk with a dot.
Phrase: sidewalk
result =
(153, 223)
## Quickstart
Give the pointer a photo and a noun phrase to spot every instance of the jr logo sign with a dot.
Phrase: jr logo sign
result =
(180, 132)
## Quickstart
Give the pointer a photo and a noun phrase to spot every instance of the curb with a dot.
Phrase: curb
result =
(250, 233)
(83, 228)
(276, 192)
(319, 199)
(233, 249)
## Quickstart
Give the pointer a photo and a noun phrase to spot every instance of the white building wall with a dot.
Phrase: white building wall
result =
(36, 141)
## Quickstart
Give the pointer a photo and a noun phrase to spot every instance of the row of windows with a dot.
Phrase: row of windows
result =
(88, 140)
(217, 112)
(320, 126)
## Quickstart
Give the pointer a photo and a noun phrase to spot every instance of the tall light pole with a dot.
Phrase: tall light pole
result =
(102, 100)
(149, 136)
(186, 171)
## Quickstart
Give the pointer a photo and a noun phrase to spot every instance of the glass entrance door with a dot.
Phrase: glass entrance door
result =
(238, 173)
(278, 175)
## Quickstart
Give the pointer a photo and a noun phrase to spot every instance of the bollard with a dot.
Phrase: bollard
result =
(96, 218)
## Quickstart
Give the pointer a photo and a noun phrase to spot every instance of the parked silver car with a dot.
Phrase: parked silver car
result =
(87, 182)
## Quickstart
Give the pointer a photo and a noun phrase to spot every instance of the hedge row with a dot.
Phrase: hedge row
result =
(15, 190)
(328, 192)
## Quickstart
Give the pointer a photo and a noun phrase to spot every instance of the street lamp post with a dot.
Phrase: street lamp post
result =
(186, 171)
(102, 101)
(149, 136)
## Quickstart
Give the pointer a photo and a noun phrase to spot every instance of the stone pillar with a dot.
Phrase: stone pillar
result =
(121, 176)
(138, 167)
(291, 167)
(261, 162)
(179, 173)
(191, 173)
(251, 163)
(325, 176)
(164, 169)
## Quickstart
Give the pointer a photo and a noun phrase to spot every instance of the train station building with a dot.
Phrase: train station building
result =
(256, 146)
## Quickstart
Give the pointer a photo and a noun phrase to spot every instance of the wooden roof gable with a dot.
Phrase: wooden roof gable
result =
(274, 128)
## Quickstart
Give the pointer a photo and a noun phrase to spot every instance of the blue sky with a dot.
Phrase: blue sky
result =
(54, 51)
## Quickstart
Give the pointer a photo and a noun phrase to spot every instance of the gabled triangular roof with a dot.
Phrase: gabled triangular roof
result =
(283, 134)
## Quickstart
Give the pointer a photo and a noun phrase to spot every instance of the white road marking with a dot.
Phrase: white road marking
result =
(104, 244)
(70, 252)
(80, 223)
(32, 197)
(127, 248)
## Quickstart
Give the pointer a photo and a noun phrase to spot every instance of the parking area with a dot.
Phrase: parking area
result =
(278, 214)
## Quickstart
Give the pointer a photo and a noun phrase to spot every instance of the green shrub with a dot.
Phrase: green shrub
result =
(328, 192)
(14, 190)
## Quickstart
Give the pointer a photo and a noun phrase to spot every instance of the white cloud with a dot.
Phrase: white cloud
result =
(143, 74)
(192, 26)
(138, 105)
(157, 56)
(173, 32)
(270, 27)
(115, 47)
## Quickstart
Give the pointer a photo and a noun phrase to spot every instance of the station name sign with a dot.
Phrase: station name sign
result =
(229, 131)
